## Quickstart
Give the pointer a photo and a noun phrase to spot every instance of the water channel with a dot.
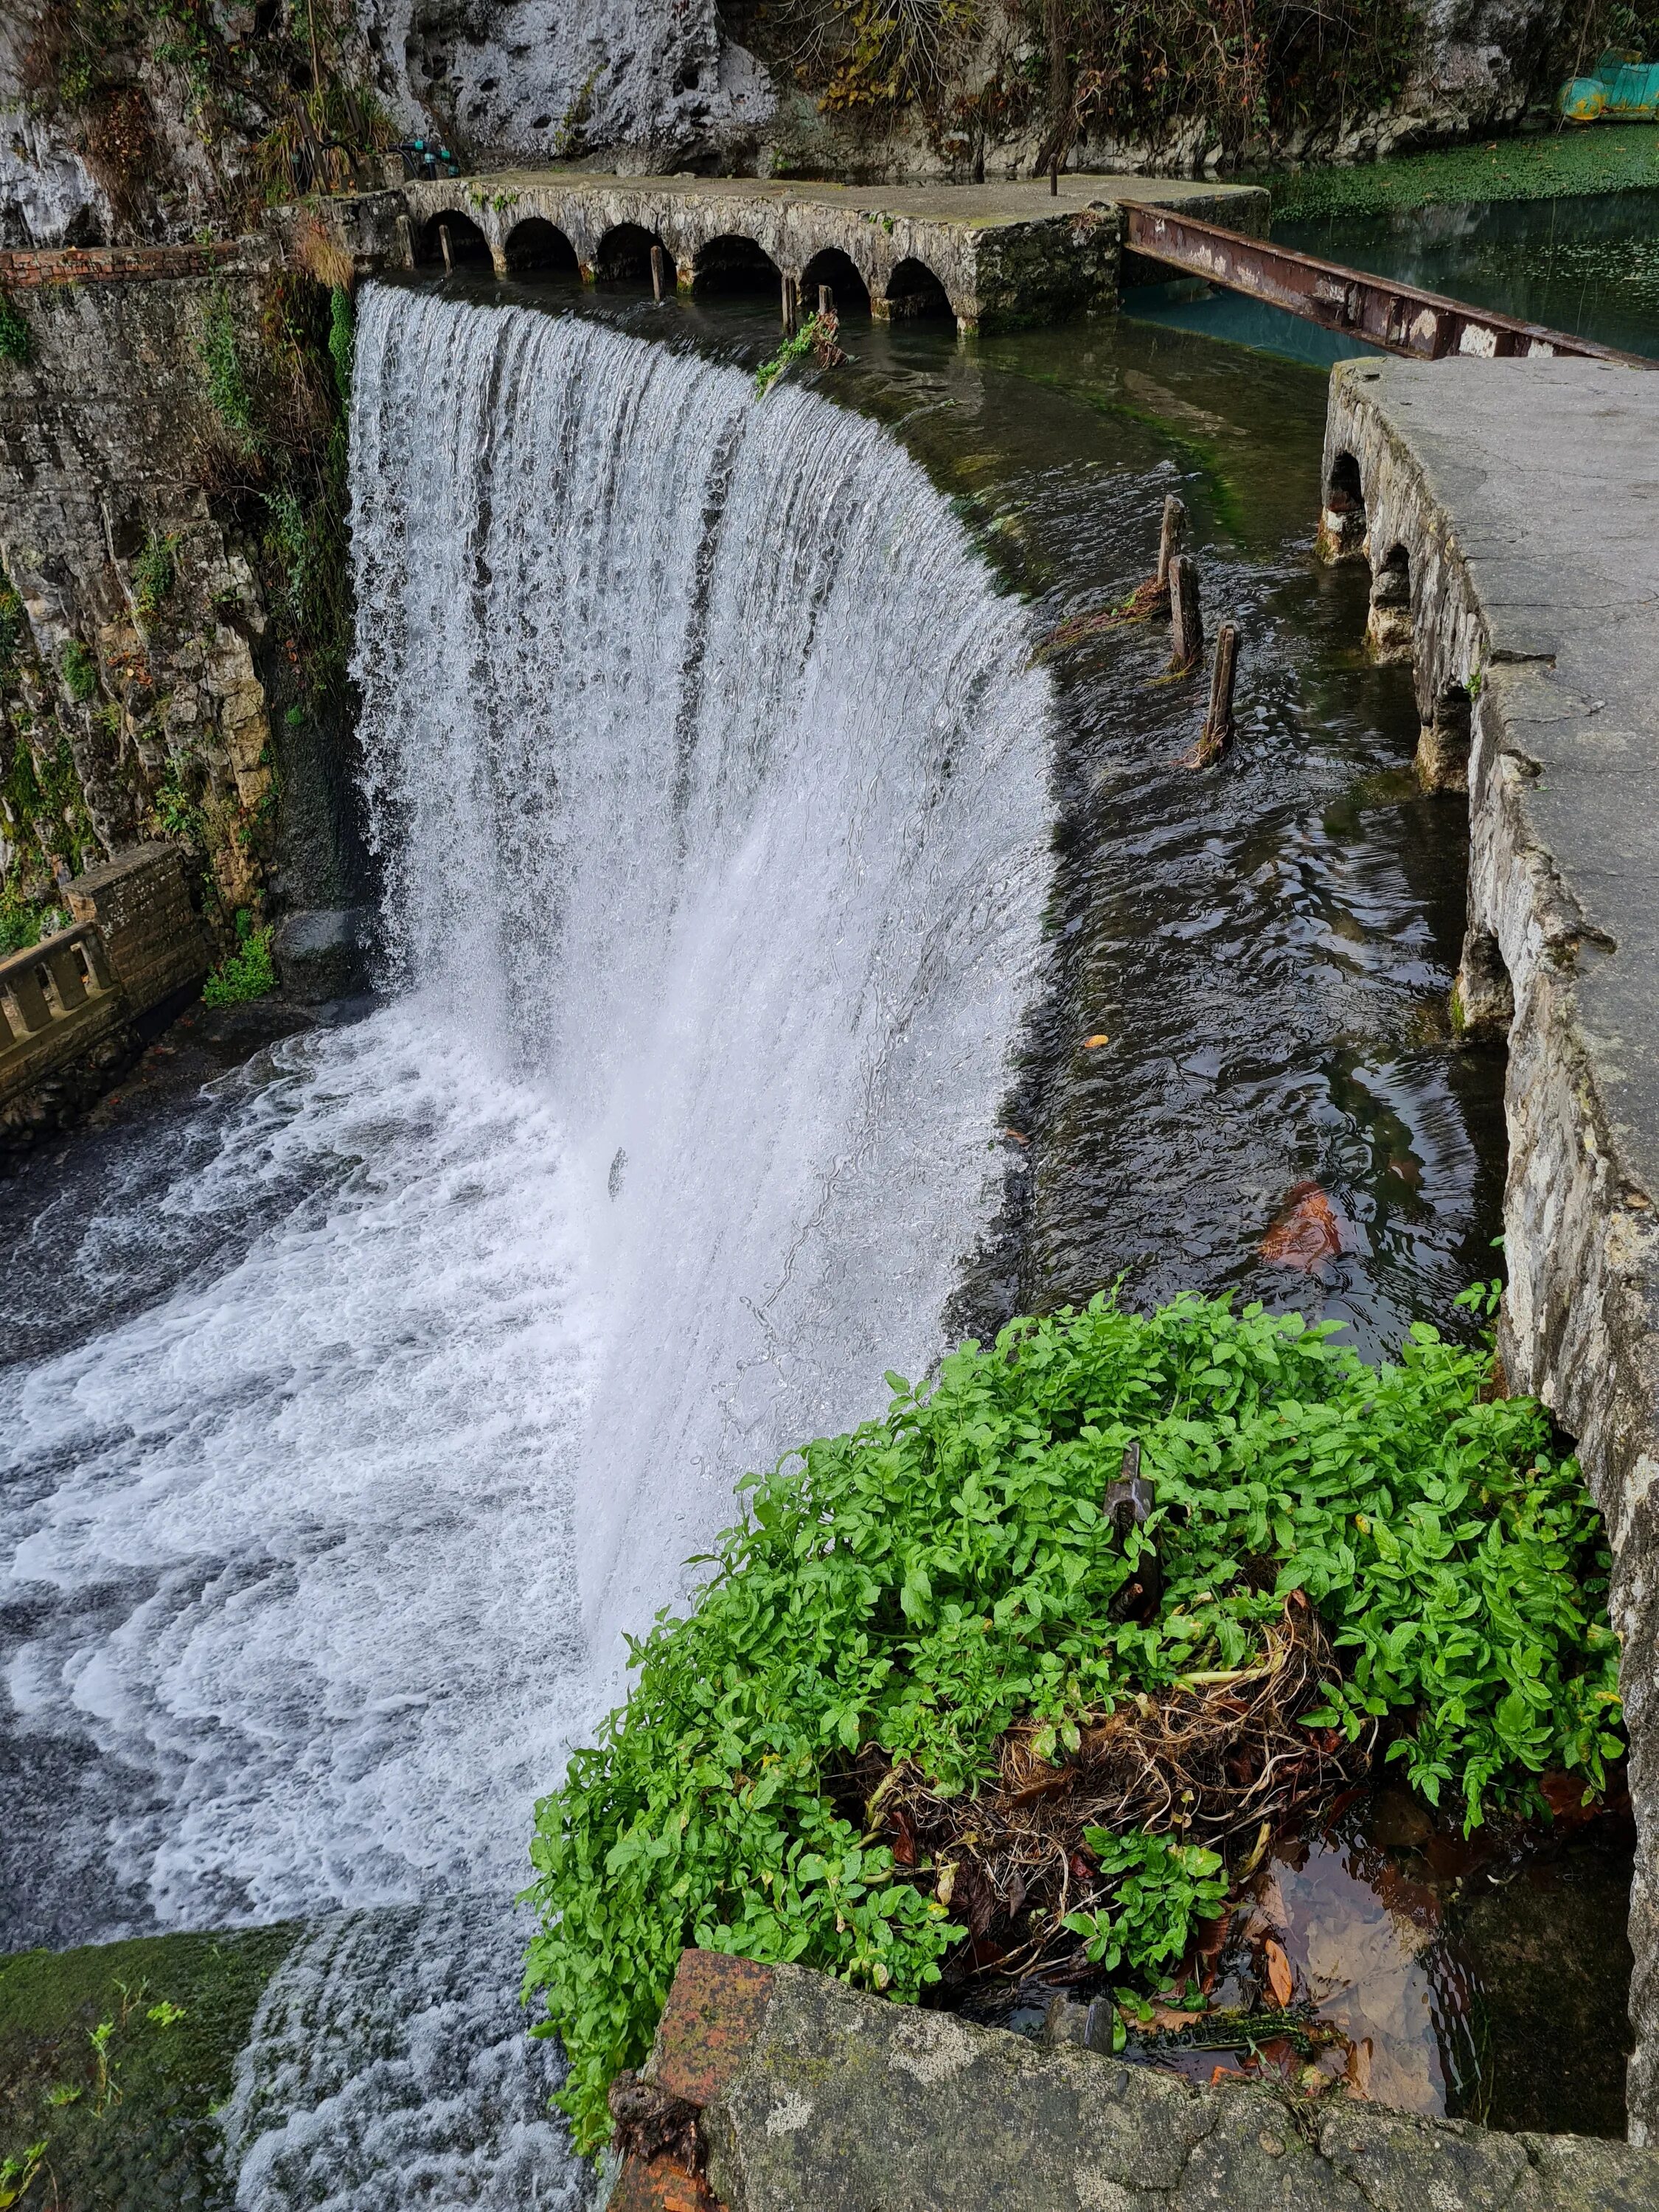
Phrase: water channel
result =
(358, 1401)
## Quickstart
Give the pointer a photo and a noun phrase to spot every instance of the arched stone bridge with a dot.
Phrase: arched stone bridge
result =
(992, 257)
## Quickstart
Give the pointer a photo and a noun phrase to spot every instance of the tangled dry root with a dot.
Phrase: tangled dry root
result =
(1222, 1761)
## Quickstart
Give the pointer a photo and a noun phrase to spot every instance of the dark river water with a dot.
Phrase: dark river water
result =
(1243, 990)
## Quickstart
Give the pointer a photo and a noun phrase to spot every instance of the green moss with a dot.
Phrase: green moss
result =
(117, 2056)
(16, 340)
(1549, 165)
(79, 670)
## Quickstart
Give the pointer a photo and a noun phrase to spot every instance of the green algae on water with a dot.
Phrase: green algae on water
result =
(1549, 165)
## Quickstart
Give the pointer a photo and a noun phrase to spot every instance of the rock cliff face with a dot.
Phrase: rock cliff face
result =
(151, 135)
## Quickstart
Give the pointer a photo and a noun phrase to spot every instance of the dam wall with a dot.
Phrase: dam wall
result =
(1505, 509)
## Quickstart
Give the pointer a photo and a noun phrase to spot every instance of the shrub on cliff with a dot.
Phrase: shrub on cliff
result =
(901, 1605)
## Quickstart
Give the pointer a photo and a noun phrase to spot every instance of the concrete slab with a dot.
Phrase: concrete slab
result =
(1522, 493)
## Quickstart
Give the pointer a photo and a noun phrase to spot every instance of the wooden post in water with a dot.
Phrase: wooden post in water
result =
(657, 260)
(1186, 621)
(1174, 529)
(443, 241)
(405, 241)
(790, 305)
(1218, 733)
(1054, 176)
(826, 301)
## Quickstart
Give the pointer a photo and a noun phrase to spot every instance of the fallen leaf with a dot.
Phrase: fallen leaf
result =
(1564, 1796)
(1305, 1234)
(1094, 1043)
(1358, 2071)
(1220, 2074)
(1280, 1980)
(1015, 1134)
(1169, 2020)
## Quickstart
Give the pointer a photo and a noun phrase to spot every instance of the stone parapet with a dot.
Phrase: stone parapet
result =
(799, 2094)
(1505, 509)
(74, 1008)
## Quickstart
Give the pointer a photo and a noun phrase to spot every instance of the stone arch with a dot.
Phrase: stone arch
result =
(1342, 527)
(1388, 625)
(468, 246)
(623, 256)
(1442, 749)
(915, 295)
(732, 263)
(537, 248)
(844, 277)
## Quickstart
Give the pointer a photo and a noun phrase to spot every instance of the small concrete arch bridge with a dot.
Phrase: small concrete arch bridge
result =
(992, 257)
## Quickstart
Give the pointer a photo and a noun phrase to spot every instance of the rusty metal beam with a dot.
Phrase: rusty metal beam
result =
(1398, 317)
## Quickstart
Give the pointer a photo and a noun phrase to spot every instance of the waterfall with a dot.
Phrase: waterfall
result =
(708, 778)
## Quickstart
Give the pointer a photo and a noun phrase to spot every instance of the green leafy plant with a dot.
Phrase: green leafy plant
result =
(17, 339)
(342, 340)
(1162, 1889)
(79, 670)
(18, 2171)
(816, 335)
(13, 624)
(249, 972)
(153, 574)
(916, 1589)
(225, 376)
(175, 812)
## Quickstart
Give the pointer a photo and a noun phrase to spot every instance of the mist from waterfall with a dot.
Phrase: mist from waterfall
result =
(708, 778)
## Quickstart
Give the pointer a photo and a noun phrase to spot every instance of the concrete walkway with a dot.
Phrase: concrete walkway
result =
(1509, 511)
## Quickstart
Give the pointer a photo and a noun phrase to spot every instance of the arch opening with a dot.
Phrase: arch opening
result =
(1345, 491)
(915, 295)
(537, 248)
(624, 257)
(840, 273)
(732, 264)
(1342, 525)
(468, 246)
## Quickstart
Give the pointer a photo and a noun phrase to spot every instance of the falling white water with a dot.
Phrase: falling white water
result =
(708, 782)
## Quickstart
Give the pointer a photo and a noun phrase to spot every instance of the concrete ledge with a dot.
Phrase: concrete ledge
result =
(811, 2097)
(1506, 510)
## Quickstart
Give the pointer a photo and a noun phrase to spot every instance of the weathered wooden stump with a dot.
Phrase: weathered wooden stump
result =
(1174, 529)
(1186, 619)
(1218, 732)
(826, 300)
(443, 241)
(659, 260)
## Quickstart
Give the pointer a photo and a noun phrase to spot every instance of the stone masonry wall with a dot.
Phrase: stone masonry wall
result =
(1501, 509)
(133, 506)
